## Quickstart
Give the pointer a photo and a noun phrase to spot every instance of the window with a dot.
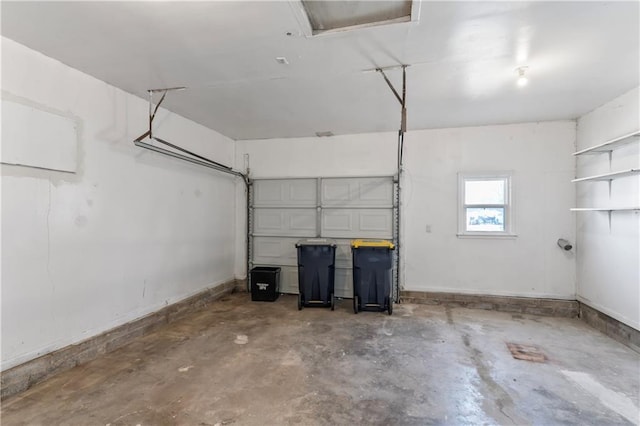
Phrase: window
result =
(485, 205)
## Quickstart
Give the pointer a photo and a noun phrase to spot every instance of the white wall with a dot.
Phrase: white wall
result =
(608, 263)
(540, 157)
(129, 233)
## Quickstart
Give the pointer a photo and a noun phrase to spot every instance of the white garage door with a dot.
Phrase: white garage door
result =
(284, 211)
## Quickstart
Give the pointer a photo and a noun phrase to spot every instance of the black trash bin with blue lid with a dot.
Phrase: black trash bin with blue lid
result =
(372, 275)
(316, 272)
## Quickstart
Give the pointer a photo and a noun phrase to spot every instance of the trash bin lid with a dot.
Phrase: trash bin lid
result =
(316, 242)
(372, 243)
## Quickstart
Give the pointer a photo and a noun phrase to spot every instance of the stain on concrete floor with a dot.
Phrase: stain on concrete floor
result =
(248, 363)
(526, 352)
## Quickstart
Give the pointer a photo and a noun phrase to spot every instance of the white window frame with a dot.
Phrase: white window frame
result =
(509, 228)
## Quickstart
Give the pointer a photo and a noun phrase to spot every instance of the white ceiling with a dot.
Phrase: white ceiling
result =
(462, 57)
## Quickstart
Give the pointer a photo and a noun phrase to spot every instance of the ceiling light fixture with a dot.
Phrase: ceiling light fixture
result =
(522, 78)
(282, 60)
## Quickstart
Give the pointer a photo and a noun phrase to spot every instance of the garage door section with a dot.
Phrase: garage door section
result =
(357, 208)
(283, 211)
(286, 210)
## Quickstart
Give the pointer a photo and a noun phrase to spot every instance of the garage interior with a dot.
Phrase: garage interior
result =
(154, 153)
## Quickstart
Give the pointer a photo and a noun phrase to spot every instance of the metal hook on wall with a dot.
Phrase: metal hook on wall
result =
(564, 244)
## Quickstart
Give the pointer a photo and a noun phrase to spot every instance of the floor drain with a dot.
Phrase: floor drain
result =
(526, 352)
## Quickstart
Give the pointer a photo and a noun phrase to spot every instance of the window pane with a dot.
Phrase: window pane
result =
(491, 220)
(484, 191)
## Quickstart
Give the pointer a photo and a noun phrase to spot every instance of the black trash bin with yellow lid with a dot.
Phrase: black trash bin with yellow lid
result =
(372, 275)
(316, 272)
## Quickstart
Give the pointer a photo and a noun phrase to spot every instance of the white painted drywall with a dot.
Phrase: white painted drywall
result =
(608, 255)
(36, 137)
(130, 232)
(539, 154)
(532, 265)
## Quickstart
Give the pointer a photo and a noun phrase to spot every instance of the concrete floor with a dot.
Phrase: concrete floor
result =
(251, 363)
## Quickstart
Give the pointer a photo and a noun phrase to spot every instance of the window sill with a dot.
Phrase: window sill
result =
(488, 236)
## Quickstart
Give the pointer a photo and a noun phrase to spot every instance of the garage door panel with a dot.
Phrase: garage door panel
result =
(378, 222)
(290, 222)
(289, 279)
(286, 210)
(378, 192)
(343, 253)
(335, 192)
(337, 221)
(357, 223)
(357, 192)
(303, 221)
(285, 193)
(344, 283)
(275, 251)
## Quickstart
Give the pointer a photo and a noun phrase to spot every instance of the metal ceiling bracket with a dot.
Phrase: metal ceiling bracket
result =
(403, 105)
(168, 89)
(393, 89)
(191, 157)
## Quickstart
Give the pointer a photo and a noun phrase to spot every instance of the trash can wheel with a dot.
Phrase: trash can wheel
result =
(333, 301)
(299, 301)
(389, 305)
(355, 304)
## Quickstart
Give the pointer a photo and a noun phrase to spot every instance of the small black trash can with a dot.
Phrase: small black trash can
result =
(372, 275)
(265, 283)
(316, 272)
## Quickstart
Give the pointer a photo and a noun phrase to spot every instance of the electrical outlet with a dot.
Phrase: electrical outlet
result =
(428, 229)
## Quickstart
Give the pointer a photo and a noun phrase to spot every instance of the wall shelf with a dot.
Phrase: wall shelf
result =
(608, 147)
(611, 145)
(608, 210)
(604, 209)
(608, 176)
